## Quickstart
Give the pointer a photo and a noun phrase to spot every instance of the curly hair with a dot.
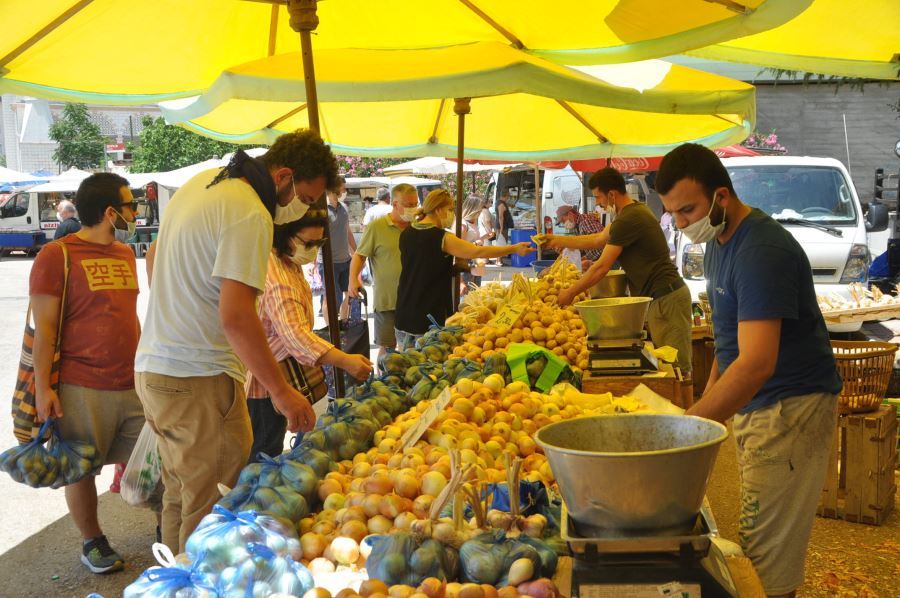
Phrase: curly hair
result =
(284, 233)
(304, 152)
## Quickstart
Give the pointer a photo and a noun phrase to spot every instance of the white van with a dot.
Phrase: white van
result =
(815, 200)
(558, 188)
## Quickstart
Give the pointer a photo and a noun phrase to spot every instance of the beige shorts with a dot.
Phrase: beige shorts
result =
(111, 420)
(783, 453)
(669, 323)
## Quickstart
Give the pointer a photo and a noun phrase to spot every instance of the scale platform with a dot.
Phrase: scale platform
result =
(620, 357)
(611, 563)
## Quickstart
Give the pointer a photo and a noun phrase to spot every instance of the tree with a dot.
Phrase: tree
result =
(165, 147)
(80, 142)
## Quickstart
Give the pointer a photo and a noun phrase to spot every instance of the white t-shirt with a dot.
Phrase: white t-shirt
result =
(206, 235)
(376, 211)
(485, 223)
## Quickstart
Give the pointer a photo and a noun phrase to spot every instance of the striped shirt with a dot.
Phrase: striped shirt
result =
(286, 312)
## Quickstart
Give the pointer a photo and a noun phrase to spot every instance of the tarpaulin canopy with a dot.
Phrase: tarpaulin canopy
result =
(400, 103)
(9, 176)
(832, 37)
(433, 165)
(62, 48)
(620, 164)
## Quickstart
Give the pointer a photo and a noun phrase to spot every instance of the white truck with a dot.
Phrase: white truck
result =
(815, 200)
(557, 188)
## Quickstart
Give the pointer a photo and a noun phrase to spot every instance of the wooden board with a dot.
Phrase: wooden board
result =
(669, 386)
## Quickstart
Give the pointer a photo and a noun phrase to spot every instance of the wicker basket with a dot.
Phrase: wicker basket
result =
(866, 368)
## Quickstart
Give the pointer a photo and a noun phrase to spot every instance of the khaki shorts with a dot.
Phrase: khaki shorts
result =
(783, 453)
(111, 420)
(204, 435)
(384, 329)
(669, 322)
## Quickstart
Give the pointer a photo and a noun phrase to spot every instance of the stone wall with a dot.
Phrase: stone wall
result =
(808, 121)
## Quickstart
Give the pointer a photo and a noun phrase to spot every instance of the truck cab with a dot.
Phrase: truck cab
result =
(815, 200)
(558, 187)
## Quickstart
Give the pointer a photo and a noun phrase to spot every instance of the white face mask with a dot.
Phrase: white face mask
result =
(703, 231)
(60, 217)
(304, 255)
(409, 214)
(295, 210)
(123, 234)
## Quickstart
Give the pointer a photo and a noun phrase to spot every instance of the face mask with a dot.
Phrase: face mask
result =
(295, 210)
(409, 214)
(703, 231)
(123, 234)
(570, 226)
(304, 255)
(59, 217)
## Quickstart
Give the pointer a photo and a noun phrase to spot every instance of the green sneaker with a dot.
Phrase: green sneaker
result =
(99, 557)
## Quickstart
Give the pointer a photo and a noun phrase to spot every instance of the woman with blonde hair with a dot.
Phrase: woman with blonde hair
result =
(427, 251)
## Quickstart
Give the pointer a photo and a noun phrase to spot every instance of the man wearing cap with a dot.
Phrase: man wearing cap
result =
(636, 241)
(580, 224)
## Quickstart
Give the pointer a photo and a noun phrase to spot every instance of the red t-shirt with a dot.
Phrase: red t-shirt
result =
(100, 327)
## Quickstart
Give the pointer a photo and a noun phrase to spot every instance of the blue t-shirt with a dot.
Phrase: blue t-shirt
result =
(762, 273)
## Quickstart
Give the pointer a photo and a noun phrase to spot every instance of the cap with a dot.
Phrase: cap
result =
(562, 211)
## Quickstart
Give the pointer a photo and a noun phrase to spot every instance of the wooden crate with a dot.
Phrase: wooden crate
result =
(670, 385)
(859, 486)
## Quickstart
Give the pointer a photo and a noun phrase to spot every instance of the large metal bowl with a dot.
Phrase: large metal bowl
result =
(614, 284)
(614, 318)
(634, 471)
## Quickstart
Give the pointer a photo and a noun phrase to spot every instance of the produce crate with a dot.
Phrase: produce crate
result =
(866, 368)
(859, 486)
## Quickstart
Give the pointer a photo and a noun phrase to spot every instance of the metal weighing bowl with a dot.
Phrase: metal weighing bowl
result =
(632, 471)
(614, 318)
(614, 284)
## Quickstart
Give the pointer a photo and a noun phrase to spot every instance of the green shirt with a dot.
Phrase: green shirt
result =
(645, 253)
(380, 243)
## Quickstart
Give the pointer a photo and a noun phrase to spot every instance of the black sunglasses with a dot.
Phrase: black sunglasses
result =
(130, 204)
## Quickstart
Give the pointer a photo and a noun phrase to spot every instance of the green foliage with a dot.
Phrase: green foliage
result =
(80, 142)
(3, 160)
(165, 147)
(356, 166)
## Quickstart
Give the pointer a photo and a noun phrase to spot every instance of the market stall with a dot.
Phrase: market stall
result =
(448, 476)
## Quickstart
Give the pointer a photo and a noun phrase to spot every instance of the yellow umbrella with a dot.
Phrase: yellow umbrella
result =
(79, 50)
(832, 37)
(400, 103)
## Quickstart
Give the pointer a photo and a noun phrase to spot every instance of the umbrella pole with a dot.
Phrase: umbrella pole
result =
(304, 20)
(538, 201)
(460, 108)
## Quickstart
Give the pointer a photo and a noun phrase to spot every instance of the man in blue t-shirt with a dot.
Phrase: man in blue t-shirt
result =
(774, 369)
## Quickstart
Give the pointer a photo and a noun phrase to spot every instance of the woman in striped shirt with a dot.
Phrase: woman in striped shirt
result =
(286, 312)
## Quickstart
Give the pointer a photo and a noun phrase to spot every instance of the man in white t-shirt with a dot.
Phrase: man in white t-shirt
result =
(202, 329)
(381, 208)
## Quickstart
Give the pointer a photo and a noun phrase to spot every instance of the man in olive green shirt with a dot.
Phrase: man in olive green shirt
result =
(380, 243)
(636, 241)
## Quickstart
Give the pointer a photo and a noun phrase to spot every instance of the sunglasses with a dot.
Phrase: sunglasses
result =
(310, 244)
(130, 204)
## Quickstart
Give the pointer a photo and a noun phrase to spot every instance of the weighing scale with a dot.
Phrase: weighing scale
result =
(617, 357)
(685, 562)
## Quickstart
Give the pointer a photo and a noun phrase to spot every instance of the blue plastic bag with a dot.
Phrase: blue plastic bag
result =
(264, 573)
(171, 579)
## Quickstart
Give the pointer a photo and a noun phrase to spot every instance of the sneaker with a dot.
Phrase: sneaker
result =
(99, 557)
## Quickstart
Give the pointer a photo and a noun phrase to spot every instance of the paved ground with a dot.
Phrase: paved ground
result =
(39, 545)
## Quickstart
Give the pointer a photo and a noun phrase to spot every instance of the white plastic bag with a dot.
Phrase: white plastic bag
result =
(143, 470)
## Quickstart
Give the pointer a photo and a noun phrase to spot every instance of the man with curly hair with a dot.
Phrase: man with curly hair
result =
(202, 329)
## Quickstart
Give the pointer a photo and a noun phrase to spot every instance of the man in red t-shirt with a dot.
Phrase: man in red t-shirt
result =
(96, 402)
